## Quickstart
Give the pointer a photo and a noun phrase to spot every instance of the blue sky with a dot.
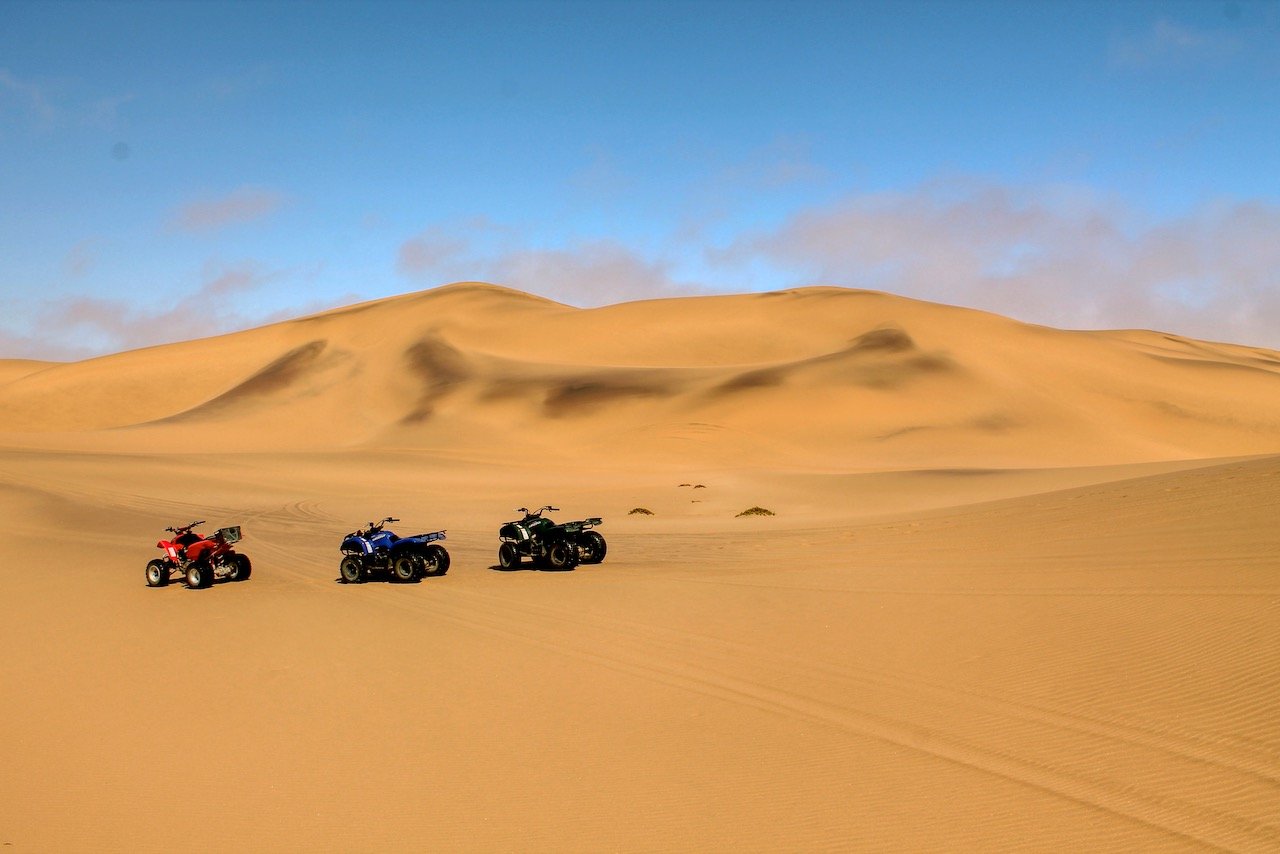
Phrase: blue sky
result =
(171, 170)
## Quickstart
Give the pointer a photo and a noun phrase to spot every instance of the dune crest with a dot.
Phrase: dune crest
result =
(825, 376)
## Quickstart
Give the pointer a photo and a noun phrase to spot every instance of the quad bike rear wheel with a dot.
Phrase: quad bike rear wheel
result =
(199, 576)
(437, 560)
(562, 555)
(405, 568)
(593, 547)
(241, 568)
(351, 570)
(508, 557)
(157, 573)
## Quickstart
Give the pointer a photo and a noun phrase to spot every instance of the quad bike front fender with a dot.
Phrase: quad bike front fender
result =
(357, 546)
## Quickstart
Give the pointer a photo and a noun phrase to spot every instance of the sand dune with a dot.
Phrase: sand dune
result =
(482, 368)
(1020, 593)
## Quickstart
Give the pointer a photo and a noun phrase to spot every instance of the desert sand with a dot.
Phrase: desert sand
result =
(1021, 591)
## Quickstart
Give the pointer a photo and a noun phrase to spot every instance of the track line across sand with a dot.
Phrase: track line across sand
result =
(1176, 817)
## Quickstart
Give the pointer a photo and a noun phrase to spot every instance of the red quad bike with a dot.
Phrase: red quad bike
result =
(200, 559)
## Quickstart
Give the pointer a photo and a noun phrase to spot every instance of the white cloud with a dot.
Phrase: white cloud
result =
(1170, 43)
(1058, 255)
(1068, 259)
(586, 273)
(243, 205)
(589, 274)
(81, 258)
(30, 99)
(118, 324)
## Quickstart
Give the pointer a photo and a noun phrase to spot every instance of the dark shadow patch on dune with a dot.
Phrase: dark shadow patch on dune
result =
(883, 359)
(904, 431)
(994, 423)
(580, 395)
(1169, 408)
(275, 377)
(889, 339)
(441, 368)
(280, 374)
(762, 378)
(888, 375)
(508, 389)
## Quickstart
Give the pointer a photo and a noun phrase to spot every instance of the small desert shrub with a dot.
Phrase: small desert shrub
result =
(640, 511)
(756, 511)
(699, 486)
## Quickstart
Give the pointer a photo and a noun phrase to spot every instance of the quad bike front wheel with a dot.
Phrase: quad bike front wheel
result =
(241, 568)
(405, 568)
(351, 570)
(437, 560)
(593, 547)
(562, 555)
(157, 573)
(199, 576)
(508, 557)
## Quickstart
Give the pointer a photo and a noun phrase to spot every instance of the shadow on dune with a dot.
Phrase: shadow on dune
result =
(276, 377)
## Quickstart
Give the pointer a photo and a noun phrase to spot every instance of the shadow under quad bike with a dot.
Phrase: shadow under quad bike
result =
(373, 550)
(200, 559)
(538, 538)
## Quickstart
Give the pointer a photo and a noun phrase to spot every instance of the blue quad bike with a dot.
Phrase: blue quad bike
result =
(373, 550)
(545, 543)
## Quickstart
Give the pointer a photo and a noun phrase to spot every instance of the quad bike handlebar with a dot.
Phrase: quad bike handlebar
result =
(374, 527)
(526, 511)
(185, 528)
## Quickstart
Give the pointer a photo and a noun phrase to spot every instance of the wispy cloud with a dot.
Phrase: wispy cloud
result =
(1059, 255)
(586, 273)
(125, 324)
(1053, 255)
(105, 112)
(433, 252)
(81, 258)
(26, 98)
(1171, 43)
(589, 274)
(45, 107)
(243, 205)
(228, 298)
(242, 81)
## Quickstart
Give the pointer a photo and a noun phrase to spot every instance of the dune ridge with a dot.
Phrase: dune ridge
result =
(903, 382)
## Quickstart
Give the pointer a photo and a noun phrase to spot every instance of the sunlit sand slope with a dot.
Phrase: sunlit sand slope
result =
(823, 377)
(1093, 667)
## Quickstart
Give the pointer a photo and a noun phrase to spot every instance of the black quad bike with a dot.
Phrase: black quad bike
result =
(373, 549)
(544, 542)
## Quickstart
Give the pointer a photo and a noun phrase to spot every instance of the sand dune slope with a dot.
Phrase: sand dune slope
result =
(495, 373)
(1093, 666)
(1020, 593)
